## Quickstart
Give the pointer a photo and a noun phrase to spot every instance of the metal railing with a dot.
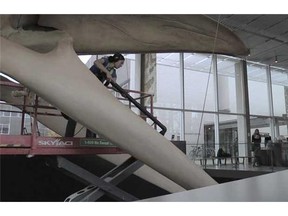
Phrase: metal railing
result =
(125, 93)
(273, 155)
(138, 105)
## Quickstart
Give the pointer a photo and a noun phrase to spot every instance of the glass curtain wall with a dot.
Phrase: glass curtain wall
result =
(199, 97)
(198, 104)
(258, 89)
(228, 133)
(171, 119)
(168, 89)
(260, 108)
(279, 80)
(167, 93)
(230, 100)
(227, 84)
(198, 82)
(199, 134)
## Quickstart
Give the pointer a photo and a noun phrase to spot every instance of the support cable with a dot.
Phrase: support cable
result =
(207, 86)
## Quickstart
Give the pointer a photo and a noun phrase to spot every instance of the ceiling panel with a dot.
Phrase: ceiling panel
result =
(265, 35)
(280, 29)
(252, 41)
(265, 22)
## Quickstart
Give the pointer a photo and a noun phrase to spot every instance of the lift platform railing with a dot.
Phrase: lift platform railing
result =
(138, 105)
(37, 145)
(32, 143)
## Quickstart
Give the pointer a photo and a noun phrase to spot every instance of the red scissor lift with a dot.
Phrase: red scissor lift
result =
(33, 144)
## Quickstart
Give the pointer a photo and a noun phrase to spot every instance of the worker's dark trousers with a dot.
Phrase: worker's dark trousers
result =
(90, 134)
(70, 128)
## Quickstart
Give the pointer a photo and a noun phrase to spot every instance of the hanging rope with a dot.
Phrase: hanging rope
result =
(209, 74)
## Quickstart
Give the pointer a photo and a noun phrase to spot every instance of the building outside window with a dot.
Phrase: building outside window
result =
(4, 128)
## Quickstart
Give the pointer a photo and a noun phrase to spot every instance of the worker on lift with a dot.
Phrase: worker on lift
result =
(103, 69)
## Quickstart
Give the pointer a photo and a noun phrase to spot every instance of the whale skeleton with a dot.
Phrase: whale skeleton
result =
(41, 53)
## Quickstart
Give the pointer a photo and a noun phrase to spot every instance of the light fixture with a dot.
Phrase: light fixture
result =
(276, 59)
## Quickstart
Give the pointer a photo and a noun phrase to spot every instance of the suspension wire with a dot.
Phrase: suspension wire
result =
(209, 74)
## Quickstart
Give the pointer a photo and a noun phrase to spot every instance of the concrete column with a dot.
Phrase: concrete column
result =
(136, 77)
(242, 106)
(270, 102)
(216, 92)
(182, 95)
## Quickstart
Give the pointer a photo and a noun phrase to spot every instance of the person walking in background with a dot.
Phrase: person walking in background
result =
(256, 146)
(103, 69)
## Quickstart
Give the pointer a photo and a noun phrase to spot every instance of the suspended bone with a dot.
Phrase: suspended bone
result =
(63, 80)
(95, 34)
